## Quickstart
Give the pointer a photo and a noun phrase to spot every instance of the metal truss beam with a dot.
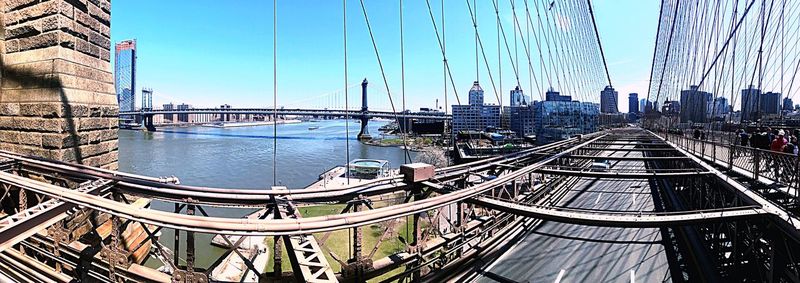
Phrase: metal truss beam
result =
(629, 158)
(20, 226)
(611, 219)
(622, 175)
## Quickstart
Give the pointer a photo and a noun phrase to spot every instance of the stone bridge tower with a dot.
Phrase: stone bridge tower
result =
(56, 86)
(363, 135)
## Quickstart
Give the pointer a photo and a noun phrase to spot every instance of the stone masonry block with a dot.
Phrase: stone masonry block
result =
(87, 48)
(34, 139)
(65, 140)
(39, 81)
(34, 27)
(56, 52)
(36, 124)
(63, 67)
(11, 5)
(111, 166)
(102, 16)
(99, 40)
(24, 30)
(45, 110)
(12, 45)
(95, 123)
(9, 109)
(29, 150)
(100, 160)
(66, 9)
(87, 20)
(69, 81)
(105, 5)
(57, 140)
(39, 41)
(34, 12)
(65, 95)
(78, 4)
(98, 148)
(105, 55)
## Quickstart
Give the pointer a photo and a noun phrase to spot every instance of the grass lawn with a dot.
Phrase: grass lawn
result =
(340, 242)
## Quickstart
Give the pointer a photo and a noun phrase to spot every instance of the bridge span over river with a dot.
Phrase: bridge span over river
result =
(659, 213)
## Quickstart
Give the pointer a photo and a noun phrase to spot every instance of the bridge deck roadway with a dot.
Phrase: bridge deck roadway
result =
(553, 252)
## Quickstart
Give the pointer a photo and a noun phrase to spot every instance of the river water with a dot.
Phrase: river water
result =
(242, 157)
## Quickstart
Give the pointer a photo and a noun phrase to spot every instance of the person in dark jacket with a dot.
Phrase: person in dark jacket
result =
(744, 138)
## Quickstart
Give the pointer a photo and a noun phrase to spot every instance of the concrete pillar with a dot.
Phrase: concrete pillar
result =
(57, 89)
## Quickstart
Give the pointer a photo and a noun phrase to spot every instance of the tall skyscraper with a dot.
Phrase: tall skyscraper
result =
(750, 103)
(633, 103)
(642, 105)
(787, 104)
(721, 106)
(694, 105)
(476, 94)
(608, 100)
(518, 97)
(125, 75)
(771, 103)
(476, 116)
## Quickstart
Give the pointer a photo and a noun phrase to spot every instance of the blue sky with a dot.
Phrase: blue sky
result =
(206, 53)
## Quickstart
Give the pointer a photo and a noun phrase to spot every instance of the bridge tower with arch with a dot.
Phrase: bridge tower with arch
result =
(363, 135)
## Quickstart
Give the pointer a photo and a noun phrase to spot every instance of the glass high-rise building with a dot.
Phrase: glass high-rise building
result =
(552, 95)
(750, 103)
(608, 100)
(558, 120)
(125, 75)
(771, 103)
(633, 103)
(695, 105)
(518, 97)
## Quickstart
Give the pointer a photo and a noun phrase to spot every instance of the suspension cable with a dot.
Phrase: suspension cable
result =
(346, 100)
(597, 35)
(274, 92)
(383, 74)
(406, 156)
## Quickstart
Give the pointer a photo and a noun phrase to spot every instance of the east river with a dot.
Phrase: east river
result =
(242, 157)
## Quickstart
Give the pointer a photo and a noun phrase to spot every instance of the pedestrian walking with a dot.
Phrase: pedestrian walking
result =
(779, 142)
(791, 147)
(744, 138)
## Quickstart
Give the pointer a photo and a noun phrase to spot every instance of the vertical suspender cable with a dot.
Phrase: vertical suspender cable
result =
(528, 50)
(444, 69)
(406, 156)
(597, 34)
(274, 92)
(383, 73)
(475, 25)
(500, 72)
(783, 55)
(444, 61)
(346, 101)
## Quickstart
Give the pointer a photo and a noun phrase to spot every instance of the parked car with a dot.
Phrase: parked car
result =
(600, 165)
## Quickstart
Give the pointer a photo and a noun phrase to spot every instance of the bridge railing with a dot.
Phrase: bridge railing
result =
(773, 168)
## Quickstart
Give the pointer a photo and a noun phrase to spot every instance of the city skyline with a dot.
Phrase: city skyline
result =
(170, 44)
